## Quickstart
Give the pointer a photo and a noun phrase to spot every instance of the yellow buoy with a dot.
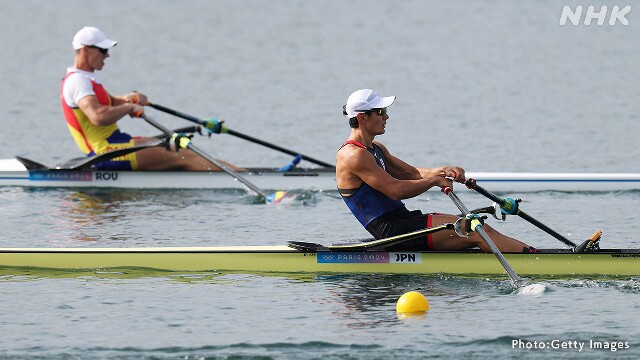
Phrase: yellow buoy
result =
(412, 302)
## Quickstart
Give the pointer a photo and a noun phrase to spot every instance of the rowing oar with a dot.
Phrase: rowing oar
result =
(510, 206)
(220, 128)
(477, 226)
(185, 143)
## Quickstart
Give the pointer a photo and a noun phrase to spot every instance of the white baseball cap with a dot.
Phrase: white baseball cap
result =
(92, 36)
(364, 100)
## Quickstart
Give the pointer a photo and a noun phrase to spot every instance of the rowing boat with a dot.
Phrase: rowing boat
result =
(29, 173)
(558, 263)
(24, 172)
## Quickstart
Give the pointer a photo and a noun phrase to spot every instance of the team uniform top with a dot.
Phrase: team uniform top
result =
(92, 139)
(383, 216)
(365, 202)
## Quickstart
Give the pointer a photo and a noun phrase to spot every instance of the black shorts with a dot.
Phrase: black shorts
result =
(401, 221)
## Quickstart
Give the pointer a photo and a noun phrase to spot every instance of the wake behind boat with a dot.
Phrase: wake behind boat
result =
(21, 171)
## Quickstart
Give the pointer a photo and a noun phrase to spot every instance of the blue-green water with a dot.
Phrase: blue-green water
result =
(217, 315)
(145, 315)
(495, 86)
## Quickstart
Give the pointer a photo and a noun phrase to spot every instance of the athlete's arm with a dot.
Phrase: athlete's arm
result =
(102, 115)
(401, 170)
(132, 97)
(355, 162)
(454, 172)
(398, 168)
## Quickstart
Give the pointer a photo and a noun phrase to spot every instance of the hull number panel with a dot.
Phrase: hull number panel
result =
(336, 257)
(73, 176)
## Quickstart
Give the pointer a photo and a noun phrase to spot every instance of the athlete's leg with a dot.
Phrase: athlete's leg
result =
(449, 240)
(159, 158)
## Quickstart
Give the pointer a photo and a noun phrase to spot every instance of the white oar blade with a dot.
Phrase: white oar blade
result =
(532, 289)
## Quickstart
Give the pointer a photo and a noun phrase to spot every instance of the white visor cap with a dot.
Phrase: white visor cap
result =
(92, 36)
(365, 100)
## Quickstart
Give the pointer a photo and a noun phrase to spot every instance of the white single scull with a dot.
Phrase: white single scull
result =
(14, 172)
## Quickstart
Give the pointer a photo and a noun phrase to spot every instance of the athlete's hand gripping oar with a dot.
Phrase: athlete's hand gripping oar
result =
(185, 142)
(218, 127)
(510, 207)
(476, 225)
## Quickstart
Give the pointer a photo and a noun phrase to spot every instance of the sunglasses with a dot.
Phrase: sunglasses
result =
(381, 112)
(102, 51)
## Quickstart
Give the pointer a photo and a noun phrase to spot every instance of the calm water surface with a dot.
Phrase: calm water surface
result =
(492, 86)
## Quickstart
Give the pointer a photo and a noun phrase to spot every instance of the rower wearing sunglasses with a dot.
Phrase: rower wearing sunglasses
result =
(92, 113)
(373, 182)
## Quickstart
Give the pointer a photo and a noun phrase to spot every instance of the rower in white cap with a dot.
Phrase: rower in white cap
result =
(373, 182)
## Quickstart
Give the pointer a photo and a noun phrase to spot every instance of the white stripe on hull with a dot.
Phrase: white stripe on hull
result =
(14, 173)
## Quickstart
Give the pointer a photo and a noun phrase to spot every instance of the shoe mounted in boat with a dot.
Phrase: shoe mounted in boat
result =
(591, 244)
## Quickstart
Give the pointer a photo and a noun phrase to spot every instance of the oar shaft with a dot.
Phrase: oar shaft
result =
(545, 228)
(178, 114)
(207, 157)
(186, 129)
(240, 135)
(471, 184)
(226, 169)
(483, 234)
(276, 147)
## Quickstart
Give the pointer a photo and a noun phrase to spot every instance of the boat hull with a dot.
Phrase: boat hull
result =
(15, 173)
(283, 259)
